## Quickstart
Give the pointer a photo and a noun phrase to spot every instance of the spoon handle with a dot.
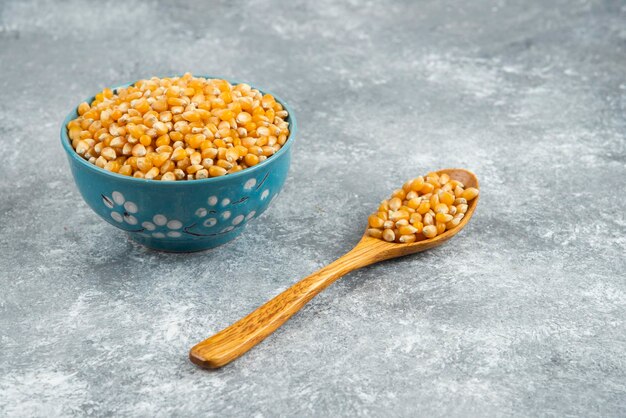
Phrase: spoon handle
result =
(235, 340)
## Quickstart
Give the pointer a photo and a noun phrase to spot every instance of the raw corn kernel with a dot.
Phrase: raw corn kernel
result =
(423, 208)
(180, 128)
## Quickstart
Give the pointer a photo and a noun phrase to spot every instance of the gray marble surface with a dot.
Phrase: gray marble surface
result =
(522, 314)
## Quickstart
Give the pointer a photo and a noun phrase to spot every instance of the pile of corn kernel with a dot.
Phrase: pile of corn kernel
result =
(180, 128)
(422, 208)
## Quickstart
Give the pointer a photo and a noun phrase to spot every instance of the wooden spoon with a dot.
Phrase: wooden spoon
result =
(235, 340)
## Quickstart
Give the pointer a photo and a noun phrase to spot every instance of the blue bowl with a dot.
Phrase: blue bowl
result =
(181, 216)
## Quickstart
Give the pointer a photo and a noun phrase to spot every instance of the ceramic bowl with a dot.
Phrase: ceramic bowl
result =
(181, 216)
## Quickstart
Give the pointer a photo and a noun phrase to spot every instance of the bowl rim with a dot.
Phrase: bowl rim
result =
(67, 145)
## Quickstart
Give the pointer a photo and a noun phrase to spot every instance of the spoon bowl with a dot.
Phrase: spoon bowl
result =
(235, 340)
(387, 250)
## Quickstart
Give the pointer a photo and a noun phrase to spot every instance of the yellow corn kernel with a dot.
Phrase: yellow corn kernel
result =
(231, 155)
(132, 161)
(399, 193)
(179, 174)
(407, 230)
(202, 174)
(207, 162)
(447, 198)
(125, 170)
(251, 160)
(268, 151)
(395, 203)
(195, 158)
(178, 154)
(145, 140)
(164, 148)
(415, 217)
(159, 159)
(183, 164)
(176, 136)
(407, 186)
(138, 150)
(443, 217)
(429, 231)
(194, 168)
(417, 184)
(144, 164)
(241, 150)
(470, 193)
(226, 114)
(117, 142)
(209, 153)
(215, 171)
(268, 101)
(375, 233)
(196, 140)
(405, 239)
(82, 147)
(419, 226)
(389, 235)
(152, 173)
(159, 105)
(192, 116)
(427, 188)
(459, 201)
(169, 176)
(224, 164)
(398, 215)
(414, 203)
(244, 117)
(375, 222)
(108, 153)
(442, 208)
(441, 227)
(83, 108)
(453, 223)
(161, 128)
(401, 222)
(142, 106)
(168, 165)
(113, 166)
(423, 208)
(176, 102)
(434, 200)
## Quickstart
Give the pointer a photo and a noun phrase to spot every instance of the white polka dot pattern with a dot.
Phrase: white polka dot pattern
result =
(118, 198)
(249, 184)
(210, 222)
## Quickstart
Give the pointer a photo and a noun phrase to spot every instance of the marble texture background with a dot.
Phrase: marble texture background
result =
(522, 314)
